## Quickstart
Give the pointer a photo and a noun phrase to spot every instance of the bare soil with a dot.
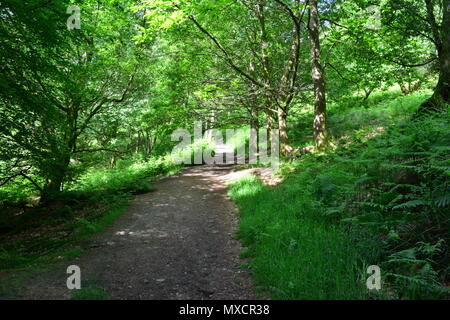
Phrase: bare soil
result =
(177, 242)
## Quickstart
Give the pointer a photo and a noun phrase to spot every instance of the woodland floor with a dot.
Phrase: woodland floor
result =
(177, 242)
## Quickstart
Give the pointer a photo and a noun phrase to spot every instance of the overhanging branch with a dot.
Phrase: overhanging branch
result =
(225, 52)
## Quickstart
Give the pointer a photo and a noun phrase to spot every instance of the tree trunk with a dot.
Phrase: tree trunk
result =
(254, 119)
(320, 127)
(285, 149)
(56, 174)
(441, 96)
(270, 122)
(56, 179)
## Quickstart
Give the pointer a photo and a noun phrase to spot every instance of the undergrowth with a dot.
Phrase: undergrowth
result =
(39, 235)
(295, 253)
(381, 197)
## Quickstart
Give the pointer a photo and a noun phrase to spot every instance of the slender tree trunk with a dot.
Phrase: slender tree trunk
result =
(285, 149)
(112, 162)
(441, 96)
(254, 121)
(138, 142)
(147, 144)
(270, 123)
(320, 116)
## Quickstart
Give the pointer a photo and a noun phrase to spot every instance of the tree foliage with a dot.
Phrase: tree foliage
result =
(113, 91)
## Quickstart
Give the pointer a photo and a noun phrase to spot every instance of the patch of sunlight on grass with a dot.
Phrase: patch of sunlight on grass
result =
(294, 253)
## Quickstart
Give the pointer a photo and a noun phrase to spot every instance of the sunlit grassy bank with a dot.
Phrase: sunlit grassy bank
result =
(295, 252)
(379, 197)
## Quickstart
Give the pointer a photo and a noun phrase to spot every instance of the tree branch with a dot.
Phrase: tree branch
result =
(339, 73)
(410, 65)
(225, 52)
(333, 22)
(103, 101)
(98, 149)
(21, 173)
(31, 180)
(290, 74)
(125, 91)
(9, 179)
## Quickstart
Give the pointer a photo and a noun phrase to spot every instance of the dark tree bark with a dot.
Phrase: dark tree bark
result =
(320, 116)
(441, 35)
(270, 123)
(55, 180)
(285, 148)
(254, 119)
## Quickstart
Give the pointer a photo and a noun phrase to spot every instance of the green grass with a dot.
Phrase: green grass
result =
(383, 109)
(295, 253)
(186, 155)
(90, 293)
(129, 176)
(378, 197)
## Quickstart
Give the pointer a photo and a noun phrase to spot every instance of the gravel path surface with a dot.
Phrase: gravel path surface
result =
(174, 243)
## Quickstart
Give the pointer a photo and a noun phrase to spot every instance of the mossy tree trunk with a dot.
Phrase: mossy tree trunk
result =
(441, 35)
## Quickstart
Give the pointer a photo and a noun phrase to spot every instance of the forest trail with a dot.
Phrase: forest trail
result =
(174, 243)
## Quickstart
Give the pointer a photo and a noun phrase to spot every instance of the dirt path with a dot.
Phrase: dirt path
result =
(174, 243)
